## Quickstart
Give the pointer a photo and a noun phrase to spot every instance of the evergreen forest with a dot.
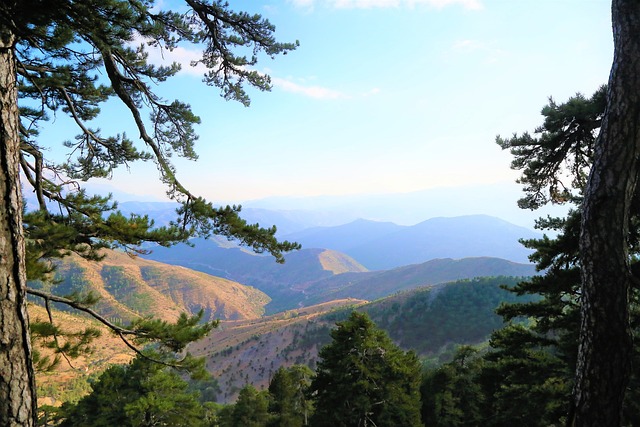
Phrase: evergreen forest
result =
(322, 341)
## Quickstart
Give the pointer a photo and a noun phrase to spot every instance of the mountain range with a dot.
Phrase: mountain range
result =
(418, 282)
(384, 245)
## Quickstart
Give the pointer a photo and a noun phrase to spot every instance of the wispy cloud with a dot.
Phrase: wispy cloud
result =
(491, 53)
(181, 55)
(370, 4)
(469, 45)
(316, 92)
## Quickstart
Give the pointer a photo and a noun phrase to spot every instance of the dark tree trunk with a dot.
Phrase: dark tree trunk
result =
(604, 359)
(17, 381)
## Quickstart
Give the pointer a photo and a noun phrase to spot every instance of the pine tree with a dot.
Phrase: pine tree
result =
(364, 379)
(140, 394)
(69, 57)
(251, 409)
(534, 366)
(288, 402)
(605, 354)
(451, 393)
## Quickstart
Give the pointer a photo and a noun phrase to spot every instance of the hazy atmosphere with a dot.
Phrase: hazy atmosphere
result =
(382, 97)
(386, 267)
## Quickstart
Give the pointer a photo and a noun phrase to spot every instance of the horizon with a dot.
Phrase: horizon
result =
(381, 97)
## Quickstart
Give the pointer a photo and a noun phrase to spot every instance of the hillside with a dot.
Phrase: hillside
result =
(131, 286)
(313, 276)
(282, 282)
(429, 320)
(374, 285)
(69, 381)
(384, 245)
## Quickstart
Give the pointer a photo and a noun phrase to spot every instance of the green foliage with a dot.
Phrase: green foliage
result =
(451, 393)
(364, 378)
(139, 394)
(528, 374)
(73, 57)
(57, 342)
(459, 312)
(288, 402)
(555, 163)
(71, 391)
(251, 409)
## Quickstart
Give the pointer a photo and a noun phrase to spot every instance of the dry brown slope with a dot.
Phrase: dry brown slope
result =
(106, 350)
(250, 351)
(338, 263)
(132, 286)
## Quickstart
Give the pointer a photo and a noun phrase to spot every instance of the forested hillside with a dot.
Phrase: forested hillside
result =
(430, 320)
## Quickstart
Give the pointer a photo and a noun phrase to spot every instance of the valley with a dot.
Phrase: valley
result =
(276, 315)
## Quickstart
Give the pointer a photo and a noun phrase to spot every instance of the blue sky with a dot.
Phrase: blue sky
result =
(385, 96)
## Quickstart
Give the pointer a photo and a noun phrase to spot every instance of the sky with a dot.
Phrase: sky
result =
(383, 96)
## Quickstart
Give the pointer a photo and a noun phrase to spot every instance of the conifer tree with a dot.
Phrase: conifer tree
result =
(288, 402)
(251, 409)
(69, 57)
(536, 365)
(605, 355)
(451, 393)
(364, 379)
(142, 393)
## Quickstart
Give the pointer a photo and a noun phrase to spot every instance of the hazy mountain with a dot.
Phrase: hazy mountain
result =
(344, 237)
(286, 221)
(374, 285)
(313, 276)
(410, 208)
(383, 245)
(282, 282)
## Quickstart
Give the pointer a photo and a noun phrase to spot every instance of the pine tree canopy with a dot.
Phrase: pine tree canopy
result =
(71, 57)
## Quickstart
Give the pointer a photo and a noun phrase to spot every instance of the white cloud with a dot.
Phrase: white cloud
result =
(469, 45)
(302, 3)
(316, 92)
(491, 54)
(182, 56)
(370, 4)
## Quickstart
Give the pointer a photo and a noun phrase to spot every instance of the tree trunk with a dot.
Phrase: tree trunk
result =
(604, 359)
(17, 380)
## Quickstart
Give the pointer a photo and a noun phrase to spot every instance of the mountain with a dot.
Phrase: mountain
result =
(408, 208)
(379, 284)
(279, 281)
(380, 246)
(286, 221)
(131, 286)
(344, 237)
(313, 276)
(430, 320)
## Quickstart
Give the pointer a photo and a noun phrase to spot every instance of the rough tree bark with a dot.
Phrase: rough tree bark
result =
(17, 380)
(604, 359)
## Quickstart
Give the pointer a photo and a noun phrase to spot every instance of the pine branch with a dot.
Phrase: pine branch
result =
(81, 307)
(120, 331)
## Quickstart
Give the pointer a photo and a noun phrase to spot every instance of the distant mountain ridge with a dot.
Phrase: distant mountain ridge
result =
(379, 284)
(384, 245)
(305, 279)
